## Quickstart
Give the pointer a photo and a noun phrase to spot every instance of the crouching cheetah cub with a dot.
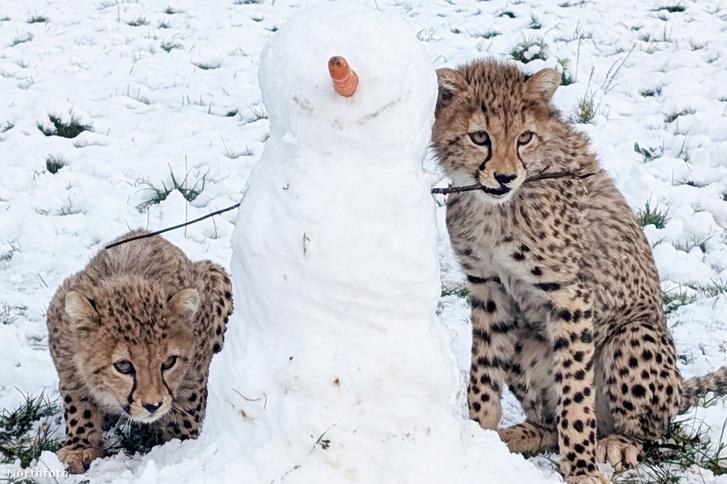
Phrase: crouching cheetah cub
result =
(133, 335)
(565, 298)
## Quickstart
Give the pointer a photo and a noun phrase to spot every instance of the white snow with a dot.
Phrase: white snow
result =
(170, 86)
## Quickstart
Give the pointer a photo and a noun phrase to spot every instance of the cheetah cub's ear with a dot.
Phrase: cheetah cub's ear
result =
(451, 83)
(184, 303)
(80, 309)
(543, 84)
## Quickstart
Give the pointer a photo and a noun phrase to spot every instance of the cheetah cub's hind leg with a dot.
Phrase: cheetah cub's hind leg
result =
(639, 391)
(213, 282)
(492, 313)
(190, 402)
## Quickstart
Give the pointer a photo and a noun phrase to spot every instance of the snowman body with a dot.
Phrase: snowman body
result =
(337, 365)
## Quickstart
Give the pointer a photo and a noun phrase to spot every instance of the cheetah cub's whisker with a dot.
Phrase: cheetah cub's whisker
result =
(565, 298)
(132, 336)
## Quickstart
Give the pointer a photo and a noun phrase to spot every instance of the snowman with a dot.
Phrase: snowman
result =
(335, 368)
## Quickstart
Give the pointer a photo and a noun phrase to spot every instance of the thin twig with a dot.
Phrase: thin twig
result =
(443, 191)
(540, 176)
(152, 234)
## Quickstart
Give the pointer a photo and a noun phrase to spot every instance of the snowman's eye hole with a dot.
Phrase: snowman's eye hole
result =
(525, 138)
(480, 138)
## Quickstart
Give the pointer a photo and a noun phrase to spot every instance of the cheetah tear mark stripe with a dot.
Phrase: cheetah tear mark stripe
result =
(130, 398)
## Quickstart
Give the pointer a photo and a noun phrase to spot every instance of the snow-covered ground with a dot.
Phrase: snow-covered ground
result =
(170, 87)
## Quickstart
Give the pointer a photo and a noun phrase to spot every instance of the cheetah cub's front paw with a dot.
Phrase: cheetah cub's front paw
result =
(592, 479)
(78, 459)
(618, 451)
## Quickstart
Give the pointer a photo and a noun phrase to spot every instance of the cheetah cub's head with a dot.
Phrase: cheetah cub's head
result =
(491, 125)
(134, 344)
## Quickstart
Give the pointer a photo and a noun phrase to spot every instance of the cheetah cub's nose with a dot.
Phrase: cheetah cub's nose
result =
(151, 407)
(503, 179)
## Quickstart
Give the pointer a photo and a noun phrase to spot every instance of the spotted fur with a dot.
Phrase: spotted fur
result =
(565, 299)
(146, 305)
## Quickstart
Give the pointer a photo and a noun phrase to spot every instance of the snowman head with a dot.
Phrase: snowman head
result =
(393, 103)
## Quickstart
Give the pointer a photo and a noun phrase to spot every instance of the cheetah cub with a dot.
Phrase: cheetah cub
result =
(565, 298)
(133, 335)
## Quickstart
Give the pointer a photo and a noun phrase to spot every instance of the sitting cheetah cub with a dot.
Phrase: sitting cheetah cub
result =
(133, 335)
(565, 298)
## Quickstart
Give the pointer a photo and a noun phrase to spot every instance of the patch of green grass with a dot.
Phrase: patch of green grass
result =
(651, 92)
(164, 25)
(588, 106)
(566, 78)
(488, 34)
(247, 2)
(21, 39)
(507, 13)
(190, 189)
(68, 209)
(172, 11)
(684, 446)
(715, 289)
(535, 23)
(258, 113)
(233, 155)
(694, 45)
(673, 300)
(9, 314)
(8, 255)
(645, 37)
(713, 57)
(54, 164)
(569, 4)
(104, 4)
(169, 45)
(455, 290)
(29, 430)
(38, 19)
(64, 130)
(648, 152)
(679, 7)
(137, 22)
(652, 216)
(206, 66)
(670, 118)
(530, 49)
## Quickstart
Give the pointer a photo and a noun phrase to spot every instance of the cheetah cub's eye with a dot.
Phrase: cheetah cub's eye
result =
(125, 367)
(169, 363)
(525, 138)
(480, 138)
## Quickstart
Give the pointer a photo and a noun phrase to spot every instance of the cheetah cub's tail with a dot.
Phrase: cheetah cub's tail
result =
(694, 388)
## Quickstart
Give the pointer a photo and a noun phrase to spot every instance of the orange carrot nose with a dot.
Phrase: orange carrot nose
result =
(345, 80)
